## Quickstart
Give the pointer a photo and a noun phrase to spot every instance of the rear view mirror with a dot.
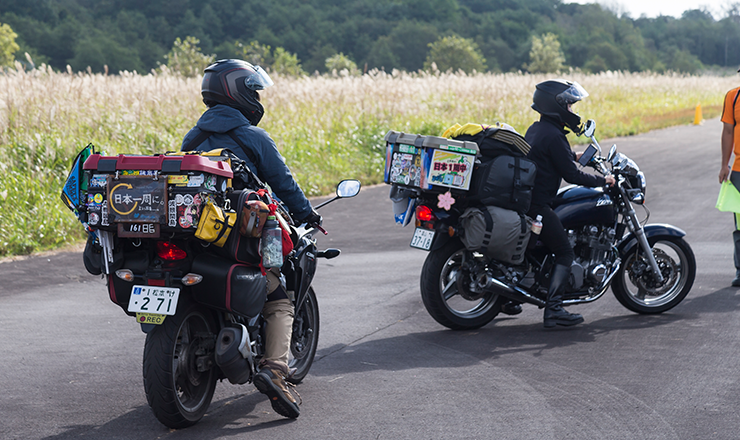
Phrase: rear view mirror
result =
(590, 128)
(348, 188)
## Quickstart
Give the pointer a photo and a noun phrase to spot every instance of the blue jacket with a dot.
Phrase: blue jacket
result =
(271, 165)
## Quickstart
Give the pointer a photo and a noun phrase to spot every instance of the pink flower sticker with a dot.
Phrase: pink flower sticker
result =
(445, 201)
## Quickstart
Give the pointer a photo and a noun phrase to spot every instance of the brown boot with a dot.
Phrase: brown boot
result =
(271, 381)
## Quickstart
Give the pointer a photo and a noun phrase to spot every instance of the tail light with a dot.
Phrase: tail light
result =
(424, 214)
(169, 251)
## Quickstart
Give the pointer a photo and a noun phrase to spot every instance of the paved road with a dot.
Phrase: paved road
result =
(70, 361)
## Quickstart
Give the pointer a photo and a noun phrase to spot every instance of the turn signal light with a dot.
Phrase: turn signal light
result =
(191, 279)
(424, 213)
(125, 275)
(169, 251)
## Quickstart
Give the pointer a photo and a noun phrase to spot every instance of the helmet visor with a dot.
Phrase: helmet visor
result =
(259, 80)
(573, 94)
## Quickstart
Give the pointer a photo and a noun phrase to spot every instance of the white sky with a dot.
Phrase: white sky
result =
(653, 8)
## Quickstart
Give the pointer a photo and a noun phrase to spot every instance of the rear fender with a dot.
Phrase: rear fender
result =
(652, 232)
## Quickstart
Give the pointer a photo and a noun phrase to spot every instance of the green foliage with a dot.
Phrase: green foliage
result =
(455, 53)
(8, 46)
(255, 53)
(341, 63)
(545, 55)
(286, 63)
(681, 61)
(131, 35)
(186, 59)
(278, 61)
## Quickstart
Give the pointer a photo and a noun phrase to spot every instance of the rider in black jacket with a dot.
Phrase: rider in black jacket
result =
(555, 161)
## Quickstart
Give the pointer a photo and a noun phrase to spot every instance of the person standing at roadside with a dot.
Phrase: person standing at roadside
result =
(731, 143)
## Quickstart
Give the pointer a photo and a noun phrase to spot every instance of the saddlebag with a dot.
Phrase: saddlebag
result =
(228, 286)
(499, 233)
(241, 248)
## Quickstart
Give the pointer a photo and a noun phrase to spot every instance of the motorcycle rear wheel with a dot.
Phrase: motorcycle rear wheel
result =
(440, 294)
(179, 369)
(305, 338)
(635, 288)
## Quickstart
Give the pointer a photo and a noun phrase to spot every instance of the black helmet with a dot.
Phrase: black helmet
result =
(552, 98)
(235, 83)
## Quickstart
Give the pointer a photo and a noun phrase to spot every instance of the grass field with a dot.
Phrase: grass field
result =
(328, 128)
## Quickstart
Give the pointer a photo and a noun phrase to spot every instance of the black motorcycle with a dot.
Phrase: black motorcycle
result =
(650, 268)
(200, 308)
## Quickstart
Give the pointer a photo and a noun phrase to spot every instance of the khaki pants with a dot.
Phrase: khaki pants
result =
(278, 315)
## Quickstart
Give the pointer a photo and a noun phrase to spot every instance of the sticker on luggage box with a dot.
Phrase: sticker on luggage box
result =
(405, 169)
(450, 169)
(138, 199)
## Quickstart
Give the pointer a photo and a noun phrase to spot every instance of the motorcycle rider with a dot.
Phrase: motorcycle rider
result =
(230, 91)
(551, 152)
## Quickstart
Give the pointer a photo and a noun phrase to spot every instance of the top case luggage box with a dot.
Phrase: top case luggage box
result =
(139, 196)
(429, 163)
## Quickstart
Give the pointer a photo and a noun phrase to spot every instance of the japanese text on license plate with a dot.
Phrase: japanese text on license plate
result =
(422, 239)
(154, 299)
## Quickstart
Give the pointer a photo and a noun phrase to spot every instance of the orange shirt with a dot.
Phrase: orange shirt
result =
(731, 117)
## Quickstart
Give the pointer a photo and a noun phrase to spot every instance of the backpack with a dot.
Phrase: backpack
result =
(504, 177)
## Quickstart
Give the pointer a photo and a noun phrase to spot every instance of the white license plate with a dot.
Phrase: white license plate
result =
(154, 299)
(422, 239)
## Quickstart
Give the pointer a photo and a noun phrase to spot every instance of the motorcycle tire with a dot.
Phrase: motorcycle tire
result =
(443, 300)
(305, 338)
(635, 288)
(175, 352)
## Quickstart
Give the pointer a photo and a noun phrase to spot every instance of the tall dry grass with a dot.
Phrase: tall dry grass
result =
(328, 127)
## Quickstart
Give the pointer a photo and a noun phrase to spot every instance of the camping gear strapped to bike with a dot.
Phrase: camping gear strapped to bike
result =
(483, 167)
(483, 249)
(180, 238)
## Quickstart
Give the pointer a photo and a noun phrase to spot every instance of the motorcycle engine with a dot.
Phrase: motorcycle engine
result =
(592, 245)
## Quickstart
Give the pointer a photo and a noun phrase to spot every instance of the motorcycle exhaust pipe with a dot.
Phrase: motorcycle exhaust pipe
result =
(234, 354)
(493, 285)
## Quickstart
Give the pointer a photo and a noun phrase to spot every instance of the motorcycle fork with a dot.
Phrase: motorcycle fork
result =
(636, 228)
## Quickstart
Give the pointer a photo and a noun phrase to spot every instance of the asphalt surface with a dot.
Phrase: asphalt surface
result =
(70, 360)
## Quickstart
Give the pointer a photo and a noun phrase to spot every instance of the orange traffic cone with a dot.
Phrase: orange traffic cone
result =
(697, 115)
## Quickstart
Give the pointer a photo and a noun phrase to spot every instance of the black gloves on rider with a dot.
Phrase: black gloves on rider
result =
(313, 218)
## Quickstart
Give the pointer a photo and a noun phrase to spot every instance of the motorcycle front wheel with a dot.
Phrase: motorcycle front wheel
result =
(305, 338)
(635, 287)
(179, 370)
(446, 296)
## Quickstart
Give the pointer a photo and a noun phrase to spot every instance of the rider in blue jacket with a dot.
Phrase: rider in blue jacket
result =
(230, 91)
(223, 121)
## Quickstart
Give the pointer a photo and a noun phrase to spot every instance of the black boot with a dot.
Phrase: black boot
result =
(511, 308)
(555, 314)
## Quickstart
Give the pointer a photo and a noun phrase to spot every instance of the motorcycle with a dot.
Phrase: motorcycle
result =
(650, 268)
(197, 330)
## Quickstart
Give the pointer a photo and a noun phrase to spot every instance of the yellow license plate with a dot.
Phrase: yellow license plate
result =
(150, 318)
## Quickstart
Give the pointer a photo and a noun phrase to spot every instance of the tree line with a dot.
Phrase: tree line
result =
(306, 36)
